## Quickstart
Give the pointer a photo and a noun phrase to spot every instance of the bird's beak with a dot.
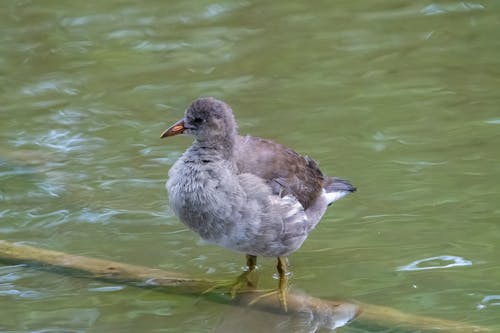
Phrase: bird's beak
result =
(177, 128)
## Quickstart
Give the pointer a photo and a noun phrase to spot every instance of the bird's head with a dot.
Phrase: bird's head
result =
(207, 119)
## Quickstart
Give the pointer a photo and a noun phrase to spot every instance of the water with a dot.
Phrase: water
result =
(401, 99)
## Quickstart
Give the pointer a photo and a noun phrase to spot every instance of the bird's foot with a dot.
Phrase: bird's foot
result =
(244, 282)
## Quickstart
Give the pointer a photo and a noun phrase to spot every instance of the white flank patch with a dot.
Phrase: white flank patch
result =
(332, 196)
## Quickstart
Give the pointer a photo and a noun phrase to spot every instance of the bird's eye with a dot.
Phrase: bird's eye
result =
(197, 121)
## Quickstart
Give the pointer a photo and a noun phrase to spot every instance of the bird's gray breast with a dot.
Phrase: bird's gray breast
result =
(201, 195)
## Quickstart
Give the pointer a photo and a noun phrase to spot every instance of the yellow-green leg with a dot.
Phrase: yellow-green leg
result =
(282, 284)
(283, 280)
(251, 264)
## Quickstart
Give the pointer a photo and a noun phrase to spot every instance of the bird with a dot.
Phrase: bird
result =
(245, 193)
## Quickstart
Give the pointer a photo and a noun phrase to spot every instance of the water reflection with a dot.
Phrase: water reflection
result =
(305, 314)
(9, 288)
(82, 319)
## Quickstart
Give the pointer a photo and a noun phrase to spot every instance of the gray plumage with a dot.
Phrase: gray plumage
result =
(245, 193)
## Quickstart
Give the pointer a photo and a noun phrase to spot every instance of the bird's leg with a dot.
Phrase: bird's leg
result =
(251, 265)
(251, 262)
(283, 280)
(282, 284)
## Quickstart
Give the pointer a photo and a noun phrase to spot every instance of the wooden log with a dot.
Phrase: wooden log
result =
(328, 314)
(383, 316)
(325, 313)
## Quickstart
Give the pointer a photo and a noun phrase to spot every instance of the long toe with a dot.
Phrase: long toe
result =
(244, 282)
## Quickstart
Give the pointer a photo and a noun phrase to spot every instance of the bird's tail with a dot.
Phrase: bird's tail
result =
(336, 188)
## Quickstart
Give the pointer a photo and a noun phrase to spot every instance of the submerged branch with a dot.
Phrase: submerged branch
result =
(325, 313)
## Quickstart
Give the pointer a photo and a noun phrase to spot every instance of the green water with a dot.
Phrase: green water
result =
(400, 98)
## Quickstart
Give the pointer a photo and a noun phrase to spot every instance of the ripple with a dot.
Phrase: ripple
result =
(167, 160)
(53, 190)
(439, 9)
(454, 261)
(61, 140)
(17, 171)
(73, 319)
(107, 289)
(86, 20)
(489, 301)
(6, 212)
(50, 219)
(125, 33)
(90, 216)
(151, 46)
(420, 163)
(49, 86)
(493, 121)
(214, 10)
(20, 293)
(11, 273)
(135, 182)
(10, 277)
(103, 216)
(67, 117)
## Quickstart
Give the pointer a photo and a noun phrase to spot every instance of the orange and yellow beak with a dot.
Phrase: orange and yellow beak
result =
(177, 128)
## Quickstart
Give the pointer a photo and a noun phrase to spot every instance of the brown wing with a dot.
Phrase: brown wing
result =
(286, 171)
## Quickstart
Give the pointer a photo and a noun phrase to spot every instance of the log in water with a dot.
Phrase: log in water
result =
(325, 313)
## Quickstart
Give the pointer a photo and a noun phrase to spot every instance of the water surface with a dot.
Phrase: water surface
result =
(400, 98)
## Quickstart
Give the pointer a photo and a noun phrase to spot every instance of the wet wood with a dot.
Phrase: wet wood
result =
(382, 316)
(329, 313)
(326, 313)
